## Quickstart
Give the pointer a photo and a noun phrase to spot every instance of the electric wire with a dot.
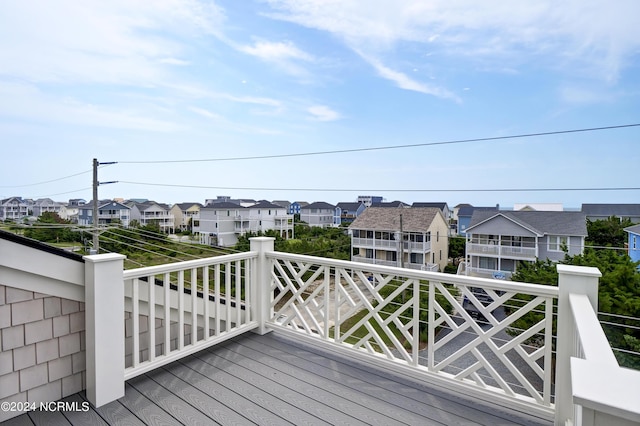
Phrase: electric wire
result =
(47, 181)
(246, 188)
(389, 147)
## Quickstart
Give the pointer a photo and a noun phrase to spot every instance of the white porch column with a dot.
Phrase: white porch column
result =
(104, 323)
(577, 280)
(261, 283)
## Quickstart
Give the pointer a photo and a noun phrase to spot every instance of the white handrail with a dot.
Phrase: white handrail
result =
(594, 344)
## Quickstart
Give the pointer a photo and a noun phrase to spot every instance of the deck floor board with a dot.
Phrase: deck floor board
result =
(274, 380)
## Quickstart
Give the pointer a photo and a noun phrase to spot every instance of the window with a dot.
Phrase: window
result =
(557, 243)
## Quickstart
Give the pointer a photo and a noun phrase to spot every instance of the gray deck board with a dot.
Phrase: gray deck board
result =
(447, 407)
(114, 413)
(374, 411)
(248, 392)
(90, 417)
(428, 402)
(284, 395)
(216, 410)
(275, 380)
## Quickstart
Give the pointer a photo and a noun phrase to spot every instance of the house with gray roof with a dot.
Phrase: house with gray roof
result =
(185, 214)
(346, 213)
(465, 212)
(109, 212)
(318, 213)
(151, 212)
(14, 209)
(605, 211)
(498, 241)
(222, 223)
(414, 237)
(633, 242)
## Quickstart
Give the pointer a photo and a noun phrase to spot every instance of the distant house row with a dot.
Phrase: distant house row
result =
(385, 233)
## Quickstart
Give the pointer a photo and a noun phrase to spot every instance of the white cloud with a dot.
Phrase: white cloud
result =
(323, 113)
(587, 34)
(205, 113)
(405, 82)
(29, 103)
(284, 54)
(276, 51)
(115, 42)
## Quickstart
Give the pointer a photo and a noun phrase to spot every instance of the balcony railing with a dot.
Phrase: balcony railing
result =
(417, 247)
(501, 250)
(483, 338)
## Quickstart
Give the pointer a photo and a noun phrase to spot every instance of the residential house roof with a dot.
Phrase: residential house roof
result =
(440, 206)
(101, 203)
(223, 205)
(414, 219)
(185, 206)
(390, 204)
(468, 209)
(611, 209)
(264, 204)
(349, 206)
(148, 204)
(282, 203)
(539, 222)
(635, 229)
(318, 205)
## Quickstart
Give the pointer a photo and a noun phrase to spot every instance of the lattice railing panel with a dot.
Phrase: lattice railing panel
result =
(480, 337)
(491, 334)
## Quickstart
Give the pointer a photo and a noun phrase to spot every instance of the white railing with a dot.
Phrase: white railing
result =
(176, 309)
(602, 392)
(414, 319)
(500, 250)
(483, 338)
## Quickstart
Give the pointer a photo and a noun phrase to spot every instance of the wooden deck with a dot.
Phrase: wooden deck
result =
(274, 380)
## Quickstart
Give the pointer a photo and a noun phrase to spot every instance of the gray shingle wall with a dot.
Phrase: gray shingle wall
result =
(42, 338)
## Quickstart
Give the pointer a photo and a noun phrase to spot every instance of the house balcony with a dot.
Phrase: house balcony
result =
(411, 246)
(496, 250)
(271, 337)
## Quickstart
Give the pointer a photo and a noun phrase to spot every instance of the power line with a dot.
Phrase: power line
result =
(380, 148)
(622, 188)
(46, 181)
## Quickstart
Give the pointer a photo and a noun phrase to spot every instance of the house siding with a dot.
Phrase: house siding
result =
(43, 347)
(502, 226)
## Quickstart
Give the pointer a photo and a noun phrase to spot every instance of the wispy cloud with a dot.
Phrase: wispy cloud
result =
(30, 103)
(323, 113)
(405, 82)
(116, 42)
(285, 54)
(587, 34)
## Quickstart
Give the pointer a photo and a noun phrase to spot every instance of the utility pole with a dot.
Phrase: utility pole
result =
(96, 243)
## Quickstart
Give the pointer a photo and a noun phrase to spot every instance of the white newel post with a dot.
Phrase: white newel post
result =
(577, 280)
(104, 323)
(260, 283)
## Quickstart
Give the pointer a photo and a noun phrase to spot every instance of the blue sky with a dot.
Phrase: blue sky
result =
(139, 81)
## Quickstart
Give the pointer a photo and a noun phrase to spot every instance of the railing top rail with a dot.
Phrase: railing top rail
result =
(595, 345)
(177, 266)
(500, 285)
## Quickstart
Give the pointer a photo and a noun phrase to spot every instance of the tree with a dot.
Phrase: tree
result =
(607, 232)
(618, 294)
(51, 228)
(457, 249)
